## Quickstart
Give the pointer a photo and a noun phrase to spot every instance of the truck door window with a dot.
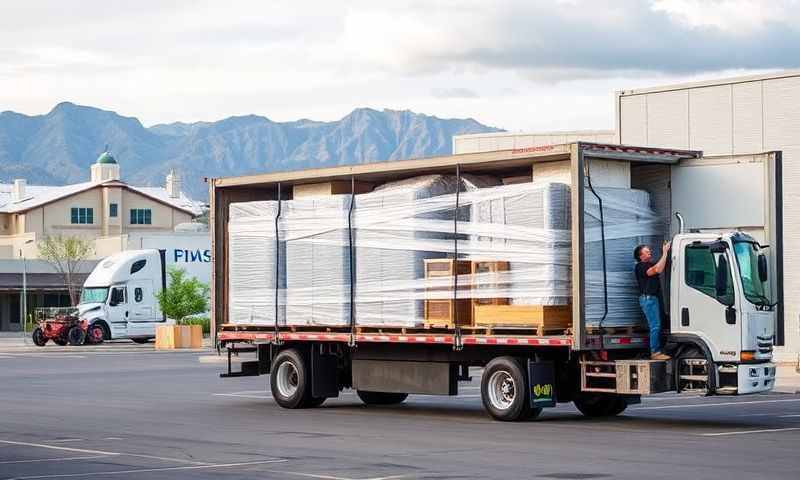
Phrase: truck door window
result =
(117, 296)
(701, 269)
(138, 295)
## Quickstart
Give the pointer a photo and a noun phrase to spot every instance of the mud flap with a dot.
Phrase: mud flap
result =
(542, 381)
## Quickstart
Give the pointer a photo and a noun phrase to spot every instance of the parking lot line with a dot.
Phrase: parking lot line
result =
(150, 470)
(745, 432)
(54, 447)
(61, 459)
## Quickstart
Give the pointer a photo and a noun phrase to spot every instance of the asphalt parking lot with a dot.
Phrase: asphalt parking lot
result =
(121, 411)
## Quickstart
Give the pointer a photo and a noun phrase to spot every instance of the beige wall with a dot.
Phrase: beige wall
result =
(55, 219)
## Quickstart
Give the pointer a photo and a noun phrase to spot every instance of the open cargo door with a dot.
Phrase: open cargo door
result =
(736, 192)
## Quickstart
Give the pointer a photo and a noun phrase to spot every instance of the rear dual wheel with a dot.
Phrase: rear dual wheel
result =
(290, 381)
(504, 390)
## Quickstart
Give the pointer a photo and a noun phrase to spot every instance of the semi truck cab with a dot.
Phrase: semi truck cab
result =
(118, 298)
(721, 314)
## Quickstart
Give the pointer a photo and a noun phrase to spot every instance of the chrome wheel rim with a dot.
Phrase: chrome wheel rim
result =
(502, 390)
(287, 379)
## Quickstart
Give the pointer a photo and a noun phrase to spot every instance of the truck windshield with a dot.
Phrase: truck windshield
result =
(94, 295)
(747, 258)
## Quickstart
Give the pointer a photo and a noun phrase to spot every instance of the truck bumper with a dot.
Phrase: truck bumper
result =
(755, 378)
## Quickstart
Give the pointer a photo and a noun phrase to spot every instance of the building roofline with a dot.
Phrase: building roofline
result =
(554, 132)
(107, 183)
(710, 83)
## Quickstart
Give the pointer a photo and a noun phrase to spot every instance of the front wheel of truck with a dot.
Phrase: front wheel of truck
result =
(600, 405)
(290, 380)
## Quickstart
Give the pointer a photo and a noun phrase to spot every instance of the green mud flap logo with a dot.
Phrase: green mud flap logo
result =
(541, 377)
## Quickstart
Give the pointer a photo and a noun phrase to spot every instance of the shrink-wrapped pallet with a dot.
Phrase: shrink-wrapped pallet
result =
(252, 254)
(397, 227)
(317, 260)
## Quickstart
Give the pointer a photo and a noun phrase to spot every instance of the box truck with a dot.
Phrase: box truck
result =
(398, 277)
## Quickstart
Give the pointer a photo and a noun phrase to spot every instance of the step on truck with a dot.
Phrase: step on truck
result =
(721, 289)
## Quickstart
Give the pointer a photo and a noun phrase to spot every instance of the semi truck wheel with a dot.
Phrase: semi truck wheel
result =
(600, 405)
(381, 398)
(38, 337)
(504, 390)
(290, 381)
(76, 336)
(96, 334)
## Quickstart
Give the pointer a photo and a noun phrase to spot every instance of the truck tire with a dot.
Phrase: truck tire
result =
(600, 405)
(504, 390)
(38, 337)
(381, 398)
(76, 336)
(290, 380)
(96, 334)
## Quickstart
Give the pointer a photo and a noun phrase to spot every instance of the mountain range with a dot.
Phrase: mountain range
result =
(58, 147)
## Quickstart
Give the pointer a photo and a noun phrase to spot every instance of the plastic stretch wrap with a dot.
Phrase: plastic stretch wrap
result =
(629, 221)
(401, 224)
(252, 255)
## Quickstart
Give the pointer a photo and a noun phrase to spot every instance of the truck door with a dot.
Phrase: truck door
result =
(142, 318)
(118, 311)
(701, 310)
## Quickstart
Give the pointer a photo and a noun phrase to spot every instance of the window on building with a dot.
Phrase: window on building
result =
(141, 216)
(112, 210)
(82, 216)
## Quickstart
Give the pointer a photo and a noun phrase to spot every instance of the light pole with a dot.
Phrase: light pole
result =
(24, 292)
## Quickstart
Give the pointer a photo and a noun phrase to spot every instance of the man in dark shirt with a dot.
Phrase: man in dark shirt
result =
(647, 274)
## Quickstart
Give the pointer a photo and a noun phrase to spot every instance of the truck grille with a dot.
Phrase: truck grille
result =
(764, 345)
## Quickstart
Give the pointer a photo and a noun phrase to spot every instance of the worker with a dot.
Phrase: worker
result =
(647, 277)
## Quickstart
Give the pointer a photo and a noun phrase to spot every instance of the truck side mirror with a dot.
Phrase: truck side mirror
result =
(763, 268)
(721, 279)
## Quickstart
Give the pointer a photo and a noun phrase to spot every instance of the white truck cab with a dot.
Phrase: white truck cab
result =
(721, 315)
(119, 296)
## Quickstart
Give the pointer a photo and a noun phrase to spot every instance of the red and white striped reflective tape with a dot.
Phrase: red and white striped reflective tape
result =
(425, 339)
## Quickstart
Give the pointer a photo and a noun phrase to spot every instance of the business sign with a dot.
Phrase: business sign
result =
(190, 252)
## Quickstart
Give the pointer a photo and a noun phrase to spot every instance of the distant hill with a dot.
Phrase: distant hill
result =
(58, 147)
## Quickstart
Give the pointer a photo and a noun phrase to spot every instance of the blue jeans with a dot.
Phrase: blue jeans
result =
(652, 310)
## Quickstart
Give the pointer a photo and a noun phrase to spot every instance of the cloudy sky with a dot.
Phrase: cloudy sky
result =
(519, 65)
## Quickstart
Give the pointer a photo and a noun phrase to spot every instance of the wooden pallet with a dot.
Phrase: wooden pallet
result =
(542, 318)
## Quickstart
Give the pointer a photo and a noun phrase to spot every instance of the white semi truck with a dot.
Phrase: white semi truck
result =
(118, 299)
(721, 288)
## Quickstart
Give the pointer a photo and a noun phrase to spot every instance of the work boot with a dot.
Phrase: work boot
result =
(659, 356)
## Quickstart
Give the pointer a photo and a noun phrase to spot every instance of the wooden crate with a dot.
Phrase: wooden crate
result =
(170, 337)
(440, 313)
(481, 267)
(545, 318)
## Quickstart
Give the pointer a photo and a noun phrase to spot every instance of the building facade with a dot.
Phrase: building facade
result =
(105, 211)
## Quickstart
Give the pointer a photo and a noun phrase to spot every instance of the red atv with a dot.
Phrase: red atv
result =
(62, 329)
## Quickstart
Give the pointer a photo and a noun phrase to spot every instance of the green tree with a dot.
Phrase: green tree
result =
(66, 254)
(183, 297)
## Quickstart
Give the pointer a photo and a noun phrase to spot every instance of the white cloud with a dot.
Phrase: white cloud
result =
(518, 64)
